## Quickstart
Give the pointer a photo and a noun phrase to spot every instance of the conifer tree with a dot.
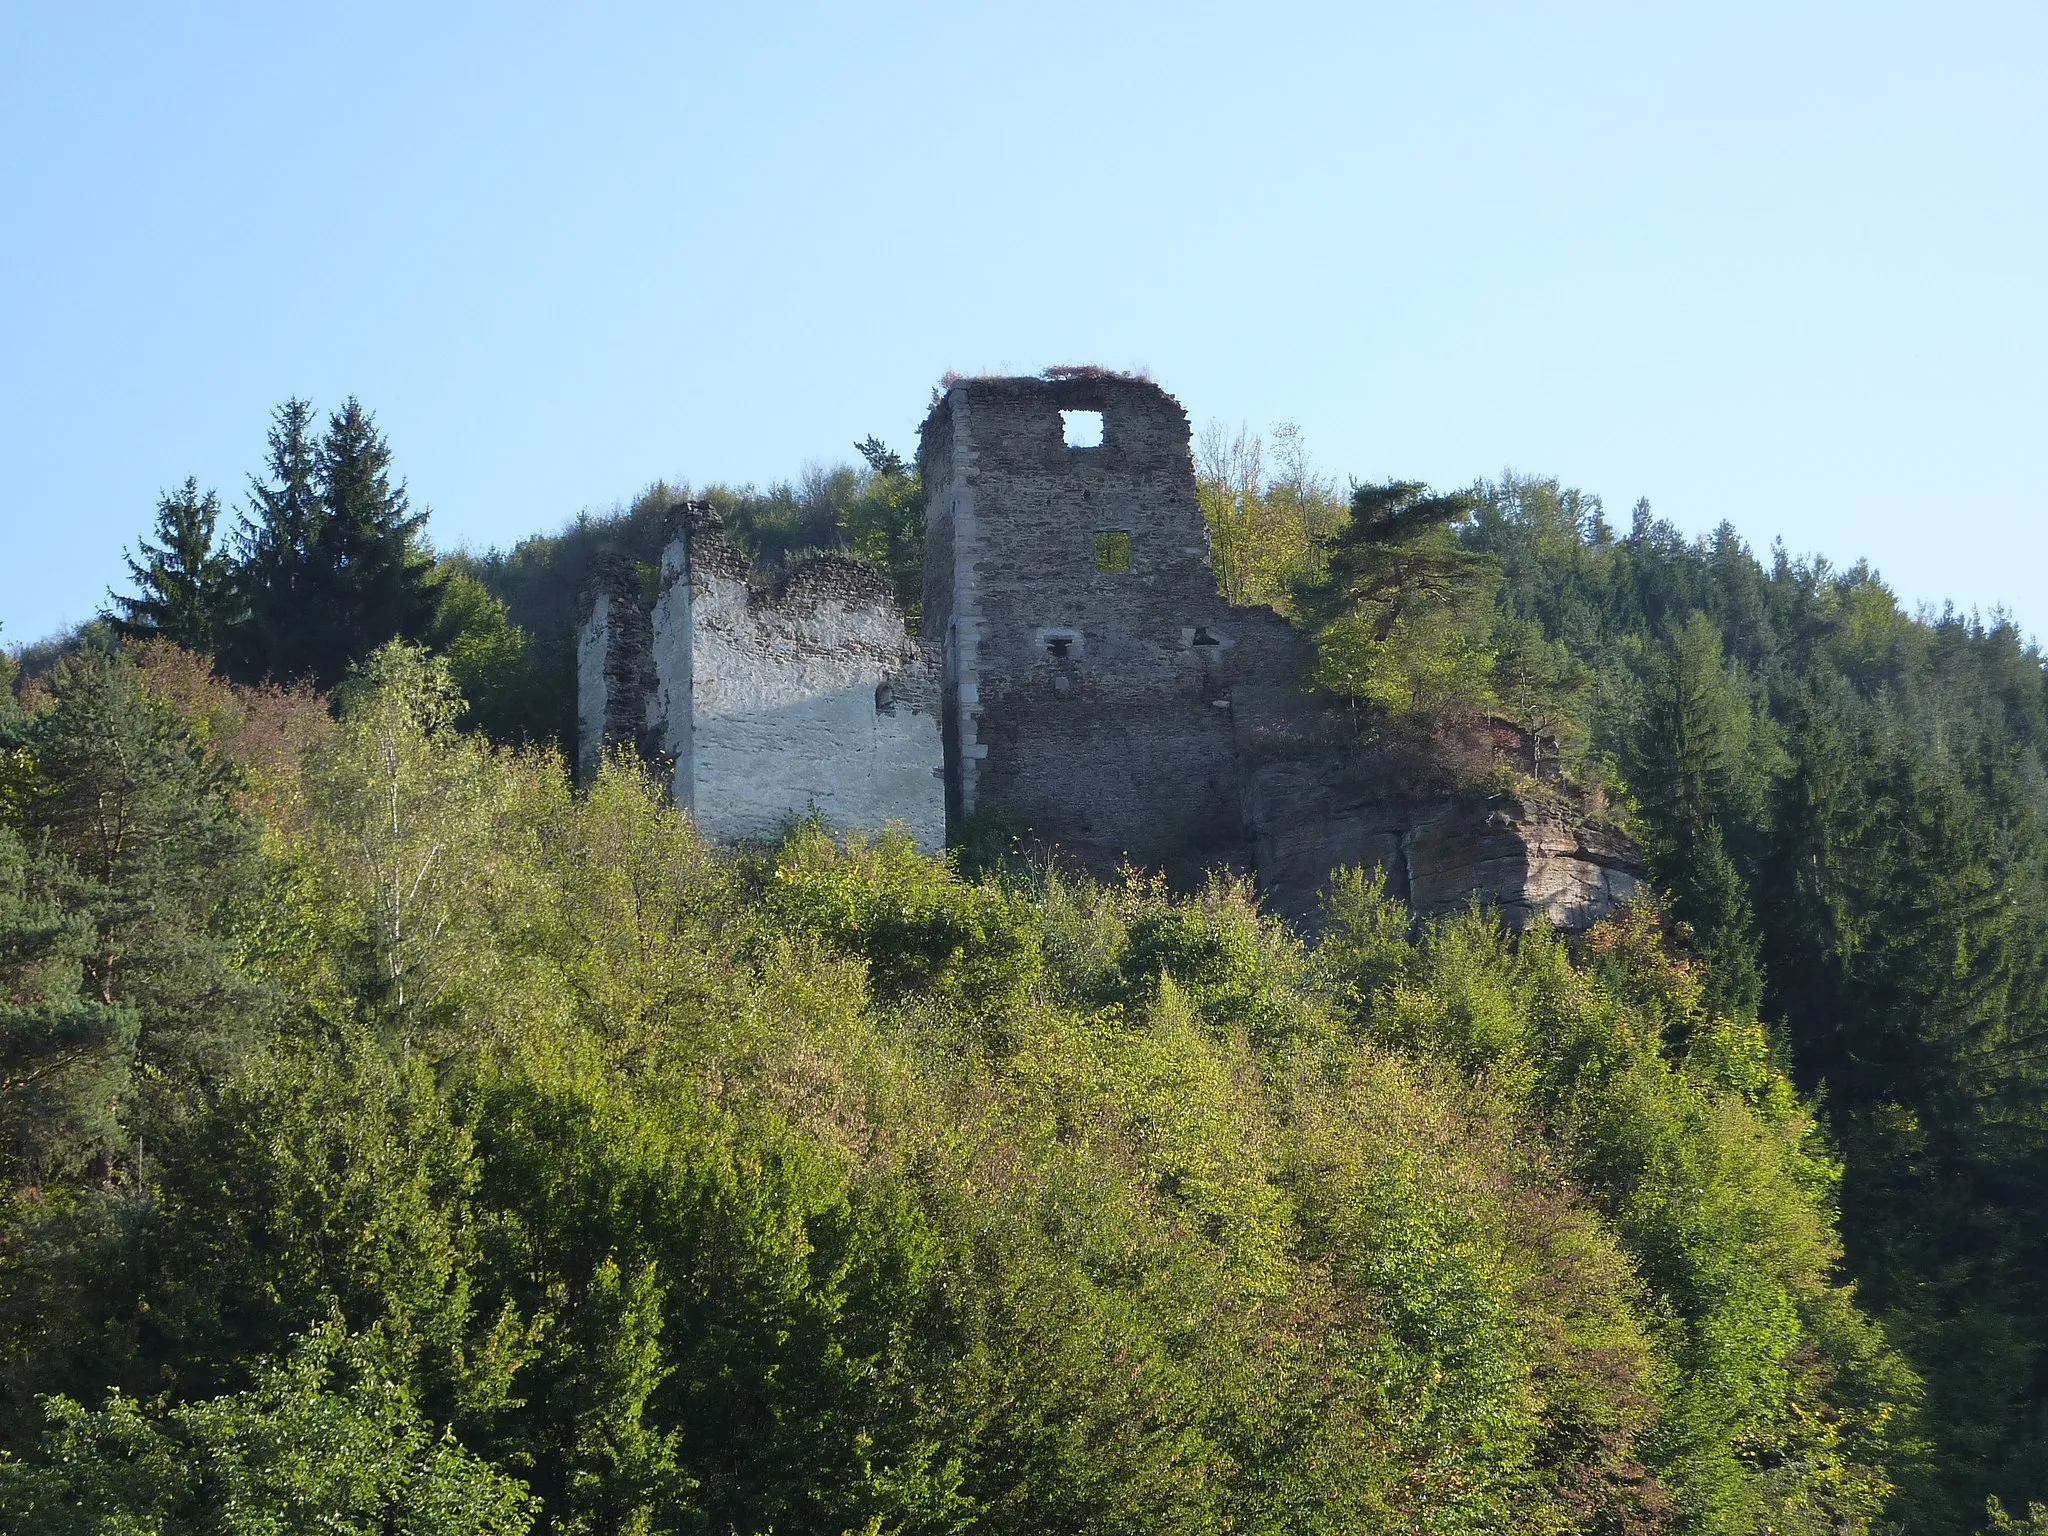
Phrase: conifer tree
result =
(141, 852)
(372, 583)
(1398, 556)
(10, 706)
(1401, 607)
(184, 582)
(1687, 752)
(63, 1056)
(883, 521)
(279, 540)
(331, 564)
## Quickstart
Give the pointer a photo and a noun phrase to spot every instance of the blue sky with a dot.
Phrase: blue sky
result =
(1782, 265)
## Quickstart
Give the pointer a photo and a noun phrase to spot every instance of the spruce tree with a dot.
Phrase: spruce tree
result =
(184, 583)
(1686, 757)
(372, 583)
(331, 565)
(274, 635)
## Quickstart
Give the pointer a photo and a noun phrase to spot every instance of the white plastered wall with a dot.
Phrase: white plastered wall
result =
(591, 640)
(817, 704)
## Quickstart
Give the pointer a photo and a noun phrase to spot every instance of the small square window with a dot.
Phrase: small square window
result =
(1113, 550)
(1083, 429)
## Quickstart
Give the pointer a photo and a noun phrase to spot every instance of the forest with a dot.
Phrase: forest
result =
(400, 1138)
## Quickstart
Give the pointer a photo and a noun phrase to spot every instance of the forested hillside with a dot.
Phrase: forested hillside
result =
(1847, 811)
(397, 1139)
(1847, 805)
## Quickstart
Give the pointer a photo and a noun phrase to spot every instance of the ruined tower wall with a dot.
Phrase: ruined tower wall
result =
(948, 571)
(1092, 704)
(614, 664)
(805, 694)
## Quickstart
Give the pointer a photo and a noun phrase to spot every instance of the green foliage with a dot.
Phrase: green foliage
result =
(1687, 769)
(883, 522)
(918, 928)
(1400, 609)
(324, 1180)
(185, 581)
(1423, 665)
(318, 1443)
(412, 823)
(822, 1188)
(1846, 805)
(1395, 558)
(1401, 606)
(489, 659)
(1717, 1183)
(2001, 1522)
(121, 860)
(1266, 532)
(833, 1187)
(330, 564)
(64, 1056)
(1542, 688)
(10, 705)
(280, 547)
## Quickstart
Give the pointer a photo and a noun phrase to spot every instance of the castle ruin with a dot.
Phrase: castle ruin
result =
(1077, 675)
(763, 702)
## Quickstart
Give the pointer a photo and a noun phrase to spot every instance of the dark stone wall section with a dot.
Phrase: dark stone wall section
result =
(1100, 700)
(616, 657)
(1133, 715)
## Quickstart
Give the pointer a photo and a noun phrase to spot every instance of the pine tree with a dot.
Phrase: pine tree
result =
(142, 853)
(63, 1056)
(1401, 607)
(1397, 556)
(184, 581)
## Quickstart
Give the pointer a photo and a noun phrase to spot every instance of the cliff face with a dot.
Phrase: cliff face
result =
(1551, 859)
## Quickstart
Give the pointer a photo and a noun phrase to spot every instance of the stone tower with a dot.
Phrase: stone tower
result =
(1087, 654)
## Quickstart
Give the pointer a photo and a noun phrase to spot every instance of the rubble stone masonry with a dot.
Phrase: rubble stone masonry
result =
(1079, 676)
(1088, 655)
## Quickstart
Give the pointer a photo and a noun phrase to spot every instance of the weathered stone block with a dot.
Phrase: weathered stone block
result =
(1527, 860)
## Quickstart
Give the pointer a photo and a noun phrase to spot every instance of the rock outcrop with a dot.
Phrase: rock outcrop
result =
(1529, 857)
